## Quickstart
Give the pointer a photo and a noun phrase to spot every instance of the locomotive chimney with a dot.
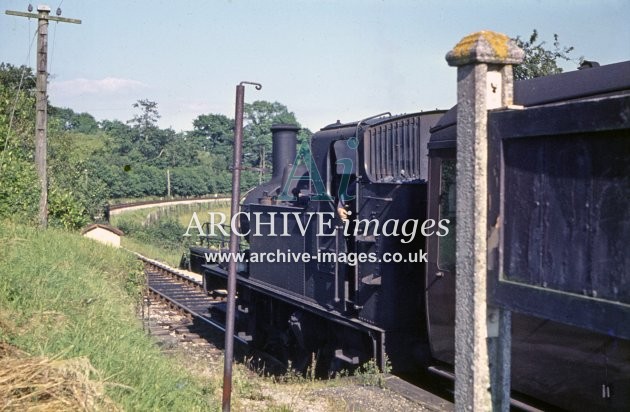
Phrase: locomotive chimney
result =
(284, 138)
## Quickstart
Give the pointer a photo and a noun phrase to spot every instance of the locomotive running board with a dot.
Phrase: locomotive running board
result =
(513, 402)
(295, 300)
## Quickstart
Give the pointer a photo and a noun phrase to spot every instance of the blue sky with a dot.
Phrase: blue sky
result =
(325, 60)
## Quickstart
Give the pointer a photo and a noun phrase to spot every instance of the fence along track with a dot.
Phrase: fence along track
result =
(125, 207)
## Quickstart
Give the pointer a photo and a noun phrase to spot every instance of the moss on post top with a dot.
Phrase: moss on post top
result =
(485, 47)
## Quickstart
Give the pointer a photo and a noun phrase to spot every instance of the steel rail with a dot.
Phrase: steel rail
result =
(182, 304)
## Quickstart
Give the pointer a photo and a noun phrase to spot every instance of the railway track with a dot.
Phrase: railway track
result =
(205, 321)
(186, 294)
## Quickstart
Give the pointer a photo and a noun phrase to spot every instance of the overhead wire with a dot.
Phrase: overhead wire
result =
(52, 54)
(17, 94)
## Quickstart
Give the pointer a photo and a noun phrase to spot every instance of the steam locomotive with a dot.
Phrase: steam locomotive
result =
(350, 248)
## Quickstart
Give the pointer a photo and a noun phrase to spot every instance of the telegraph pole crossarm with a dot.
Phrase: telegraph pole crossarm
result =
(41, 105)
(42, 16)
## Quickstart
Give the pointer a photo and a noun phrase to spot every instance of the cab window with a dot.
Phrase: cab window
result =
(446, 244)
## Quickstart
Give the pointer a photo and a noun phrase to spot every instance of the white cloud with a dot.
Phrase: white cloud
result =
(108, 85)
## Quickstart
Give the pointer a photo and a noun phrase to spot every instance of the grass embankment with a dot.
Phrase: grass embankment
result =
(63, 296)
(157, 232)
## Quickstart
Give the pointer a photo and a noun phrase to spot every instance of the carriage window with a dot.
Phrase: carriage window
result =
(446, 244)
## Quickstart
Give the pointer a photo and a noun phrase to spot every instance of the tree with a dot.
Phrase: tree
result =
(213, 132)
(147, 138)
(538, 60)
(148, 117)
(259, 117)
(19, 190)
(17, 111)
(10, 77)
(179, 152)
(75, 122)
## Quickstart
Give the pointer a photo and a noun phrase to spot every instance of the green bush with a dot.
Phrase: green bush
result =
(165, 233)
(65, 210)
(19, 189)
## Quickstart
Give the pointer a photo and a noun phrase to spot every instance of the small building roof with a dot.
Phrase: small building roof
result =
(102, 226)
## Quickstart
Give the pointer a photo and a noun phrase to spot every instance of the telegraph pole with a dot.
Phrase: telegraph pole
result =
(41, 105)
(168, 183)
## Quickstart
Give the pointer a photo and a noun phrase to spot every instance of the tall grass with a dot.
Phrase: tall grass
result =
(61, 294)
(158, 232)
(171, 257)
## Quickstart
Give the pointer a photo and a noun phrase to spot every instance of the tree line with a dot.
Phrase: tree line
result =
(91, 162)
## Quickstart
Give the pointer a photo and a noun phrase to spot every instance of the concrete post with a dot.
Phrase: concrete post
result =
(484, 81)
(41, 113)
